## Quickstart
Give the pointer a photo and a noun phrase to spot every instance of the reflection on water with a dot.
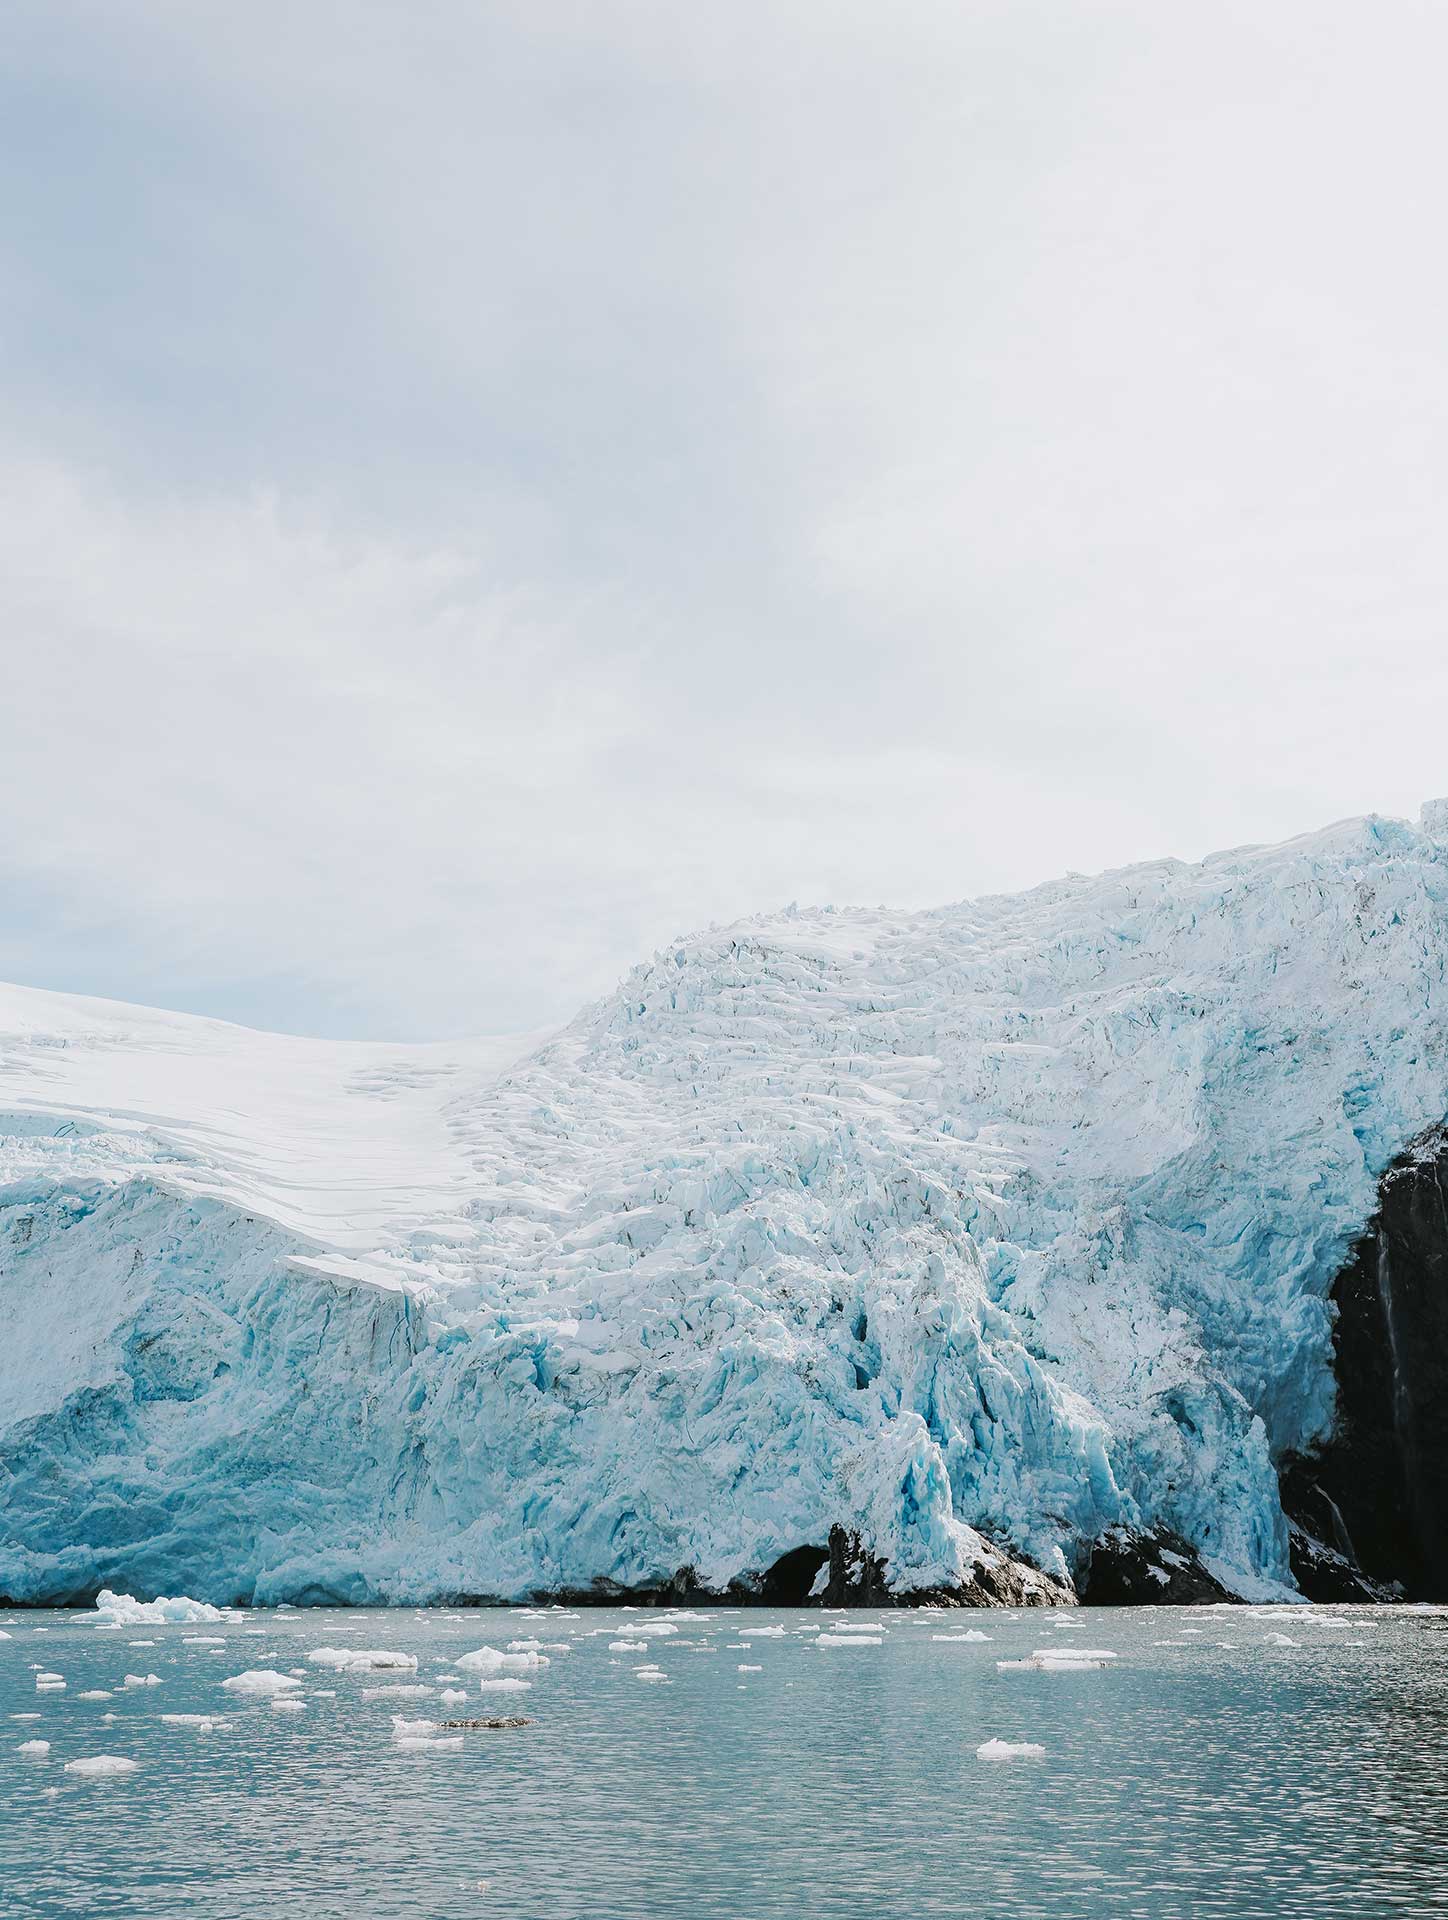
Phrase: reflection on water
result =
(1207, 1772)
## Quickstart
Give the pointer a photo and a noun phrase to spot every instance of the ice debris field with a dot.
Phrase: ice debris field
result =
(719, 1761)
(1009, 1221)
(426, 1701)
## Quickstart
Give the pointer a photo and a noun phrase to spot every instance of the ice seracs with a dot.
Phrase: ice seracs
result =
(1013, 1221)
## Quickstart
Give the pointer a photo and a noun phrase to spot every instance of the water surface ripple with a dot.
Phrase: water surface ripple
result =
(1209, 1772)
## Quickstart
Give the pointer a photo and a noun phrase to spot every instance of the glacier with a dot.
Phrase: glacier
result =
(971, 1235)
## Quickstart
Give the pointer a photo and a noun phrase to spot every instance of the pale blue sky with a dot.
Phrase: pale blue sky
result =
(487, 487)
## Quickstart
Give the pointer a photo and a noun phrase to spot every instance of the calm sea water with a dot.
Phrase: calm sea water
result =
(1208, 1772)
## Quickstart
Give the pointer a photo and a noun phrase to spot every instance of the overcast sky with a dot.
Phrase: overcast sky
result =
(486, 487)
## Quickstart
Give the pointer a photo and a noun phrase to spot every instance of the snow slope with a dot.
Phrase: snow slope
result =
(1016, 1216)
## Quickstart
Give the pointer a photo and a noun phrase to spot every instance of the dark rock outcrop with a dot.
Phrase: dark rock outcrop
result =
(1145, 1567)
(497, 1723)
(858, 1579)
(1369, 1509)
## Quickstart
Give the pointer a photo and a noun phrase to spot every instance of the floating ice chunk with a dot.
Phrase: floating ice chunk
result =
(361, 1659)
(628, 1646)
(203, 1640)
(850, 1640)
(957, 1638)
(94, 1693)
(6, 1636)
(288, 1703)
(261, 1681)
(120, 1610)
(650, 1673)
(1281, 1640)
(140, 1643)
(490, 1660)
(655, 1629)
(453, 1696)
(741, 1668)
(449, 1743)
(143, 1680)
(1010, 1750)
(34, 1749)
(757, 1633)
(29, 1716)
(101, 1765)
(403, 1728)
(49, 1679)
(397, 1693)
(202, 1722)
(1060, 1660)
(506, 1684)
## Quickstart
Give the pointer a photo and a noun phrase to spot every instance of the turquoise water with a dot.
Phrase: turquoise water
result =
(1207, 1772)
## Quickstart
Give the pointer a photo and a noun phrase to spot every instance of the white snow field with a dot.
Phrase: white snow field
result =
(1015, 1218)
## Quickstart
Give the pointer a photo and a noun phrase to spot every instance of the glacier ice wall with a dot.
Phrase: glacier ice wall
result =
(1012, 1220)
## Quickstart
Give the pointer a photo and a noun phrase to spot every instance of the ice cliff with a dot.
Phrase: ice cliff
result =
(1012, 1222)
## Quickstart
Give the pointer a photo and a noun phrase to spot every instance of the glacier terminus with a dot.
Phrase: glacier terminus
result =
(971, 1243)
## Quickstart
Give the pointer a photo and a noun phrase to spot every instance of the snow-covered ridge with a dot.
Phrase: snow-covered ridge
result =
(1019, 1215)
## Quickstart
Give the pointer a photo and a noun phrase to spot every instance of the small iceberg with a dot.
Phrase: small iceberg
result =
(260, 1681)
(490, 1660)
(120, 1610)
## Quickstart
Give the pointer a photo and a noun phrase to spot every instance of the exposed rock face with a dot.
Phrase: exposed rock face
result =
(854, 1577)
(857, 1579)
(1370, 1508)
(1131, 1567)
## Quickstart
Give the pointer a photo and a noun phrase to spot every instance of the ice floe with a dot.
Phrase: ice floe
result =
(361, 1659)
(261, 1681)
